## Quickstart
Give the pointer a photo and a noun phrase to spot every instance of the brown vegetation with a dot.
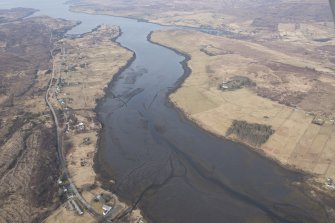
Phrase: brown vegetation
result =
(26, 52)
(305, 84)
(239, 16)
(84, 68)
(28, 174)
(11, 15)
(28, 161)
(287, 50)
(293, 31)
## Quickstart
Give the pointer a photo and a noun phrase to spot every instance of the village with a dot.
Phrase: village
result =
(73, 99)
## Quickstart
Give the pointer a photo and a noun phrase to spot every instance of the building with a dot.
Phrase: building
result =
(76, 207)
(81, 126)
(106, 209)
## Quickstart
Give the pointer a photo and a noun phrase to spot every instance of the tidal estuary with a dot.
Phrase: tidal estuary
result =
(171, 169)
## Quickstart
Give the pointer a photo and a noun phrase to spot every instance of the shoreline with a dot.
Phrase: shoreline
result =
(99, 172)
(179, 82)
(101, 175)
(79, 157)
(184, 115)
(305, 177)
(194, 28)
(105, 177)
(72, 9)
(308, 181)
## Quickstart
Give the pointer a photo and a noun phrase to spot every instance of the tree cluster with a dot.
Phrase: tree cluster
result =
(252, 133)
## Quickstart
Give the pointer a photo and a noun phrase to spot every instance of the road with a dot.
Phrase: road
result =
(59, 134)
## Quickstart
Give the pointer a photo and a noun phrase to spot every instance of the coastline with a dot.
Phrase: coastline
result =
(309, 181)
(103, 176)
(96, 166)
(98, 103)
(84, 157)
(179, 82)
(307, 177)
(187, 73)
(186, 116)
(72, 8)
(80, 156)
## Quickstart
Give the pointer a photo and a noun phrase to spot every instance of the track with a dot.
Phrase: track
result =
(59, 133)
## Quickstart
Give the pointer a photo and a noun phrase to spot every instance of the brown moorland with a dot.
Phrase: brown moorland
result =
(28, 164)
(284, 47)
(84, 68)
(281, 98)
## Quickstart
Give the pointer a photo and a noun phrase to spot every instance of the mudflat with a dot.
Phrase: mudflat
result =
(264, 76)
(83, 68)
(298, 139)
(284, 48)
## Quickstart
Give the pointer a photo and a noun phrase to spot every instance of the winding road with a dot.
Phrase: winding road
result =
(59, 134)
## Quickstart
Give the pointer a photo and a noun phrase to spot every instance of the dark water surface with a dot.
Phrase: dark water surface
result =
(174, 171)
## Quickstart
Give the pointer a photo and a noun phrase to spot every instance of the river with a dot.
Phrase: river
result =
(164, 164)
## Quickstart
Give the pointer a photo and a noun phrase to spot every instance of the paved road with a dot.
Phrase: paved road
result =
(59, 134)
